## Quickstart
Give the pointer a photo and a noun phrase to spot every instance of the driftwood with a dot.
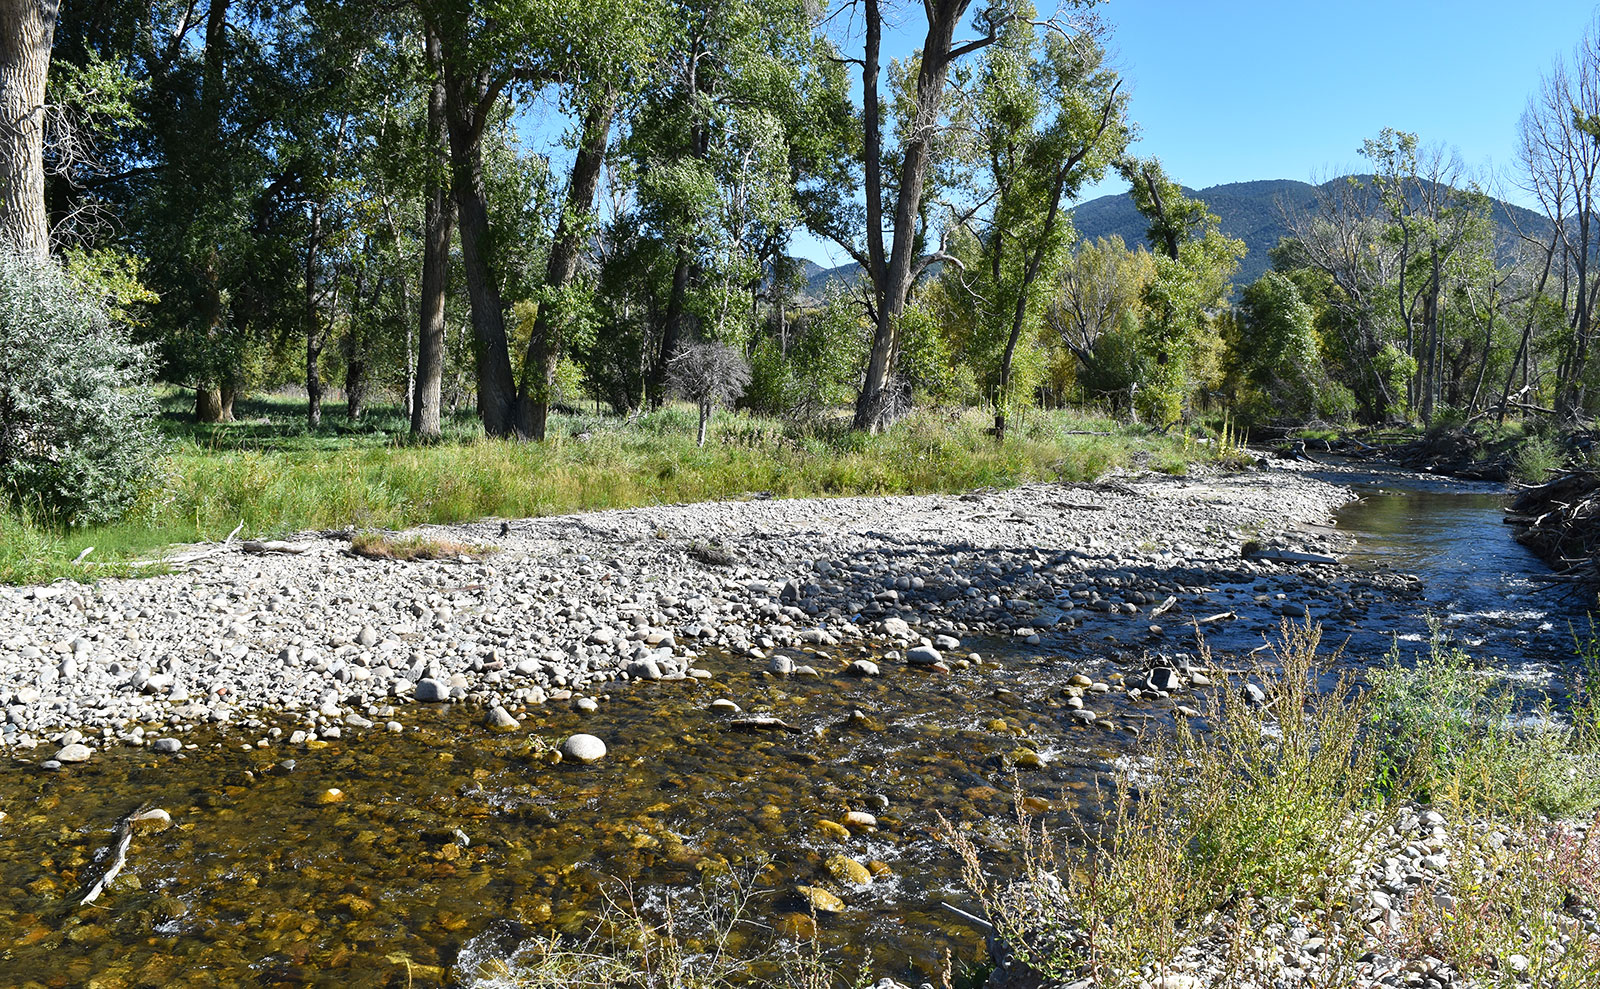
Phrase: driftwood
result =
(1289, 556)
(1163, 607)
(259, 547)
(1560, 521)
(1226, 616)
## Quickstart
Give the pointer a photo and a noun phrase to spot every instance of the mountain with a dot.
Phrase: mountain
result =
(1252, 212)
(1248, 210)
(818, 278)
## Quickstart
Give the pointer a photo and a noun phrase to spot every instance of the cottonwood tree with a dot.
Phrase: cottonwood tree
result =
(438, 214)
(1046, 119)
(587, 51)
(1433, 219)
(1560, 158)
(890, 168)
(1341, 236)
(711, 145)
(1193, 264)
(27, 32)
(1100, 282)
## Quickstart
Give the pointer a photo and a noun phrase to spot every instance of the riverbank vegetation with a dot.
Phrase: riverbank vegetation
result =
(1430, 814)
(398, 232)
(275, 478)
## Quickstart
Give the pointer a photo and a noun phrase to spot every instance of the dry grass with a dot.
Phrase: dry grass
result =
(383, 546)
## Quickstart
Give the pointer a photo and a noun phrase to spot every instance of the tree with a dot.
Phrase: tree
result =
(1432, 220)
(711, 147)
(915, 145)
(1098, 284)
(1193, 263)
(27, 32)
(1276, 349)
(1560, 155)
(1341, 237)
(438, 217)
(1047, 119)
(708, 374)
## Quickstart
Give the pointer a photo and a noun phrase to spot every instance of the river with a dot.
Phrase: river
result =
(446, 845)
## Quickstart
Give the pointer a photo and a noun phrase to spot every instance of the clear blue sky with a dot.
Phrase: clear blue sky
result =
(1252, 89)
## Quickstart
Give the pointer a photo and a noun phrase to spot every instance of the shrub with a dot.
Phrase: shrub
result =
(77, 434)
(1453, 735)
(1536, 459)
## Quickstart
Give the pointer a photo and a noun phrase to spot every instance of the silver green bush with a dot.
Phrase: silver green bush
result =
(77, 431)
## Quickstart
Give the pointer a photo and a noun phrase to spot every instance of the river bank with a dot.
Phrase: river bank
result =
(568, 604)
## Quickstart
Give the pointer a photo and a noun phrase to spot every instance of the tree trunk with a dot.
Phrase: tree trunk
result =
(27, 31)
(705, 417)
(894, 282)
(315, 339)
(207, 403)
(672, 330)
(544, 345)
(436, 221)
(469, 98)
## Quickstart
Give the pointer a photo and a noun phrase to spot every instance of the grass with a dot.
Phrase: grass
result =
(1212, 838)
(1451, 733)
(385, 546)
(1536, 459)
(633, 950)
(269, 472)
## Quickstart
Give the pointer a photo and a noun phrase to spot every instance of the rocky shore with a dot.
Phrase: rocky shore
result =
(318, 642)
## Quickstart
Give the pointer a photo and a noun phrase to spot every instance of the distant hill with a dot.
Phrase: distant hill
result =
(1251, 212)
(1248, 210)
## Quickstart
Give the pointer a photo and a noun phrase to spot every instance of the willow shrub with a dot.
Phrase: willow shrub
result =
(77, 436)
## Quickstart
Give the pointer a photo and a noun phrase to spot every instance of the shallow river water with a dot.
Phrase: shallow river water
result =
(447, 844)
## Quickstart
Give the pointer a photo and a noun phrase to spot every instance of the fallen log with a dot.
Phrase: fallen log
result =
(261, 547)
(1289, 556)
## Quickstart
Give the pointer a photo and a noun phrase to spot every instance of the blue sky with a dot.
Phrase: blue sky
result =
(1233, 91)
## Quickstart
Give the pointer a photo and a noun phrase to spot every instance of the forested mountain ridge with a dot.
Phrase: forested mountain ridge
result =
(1251, 211)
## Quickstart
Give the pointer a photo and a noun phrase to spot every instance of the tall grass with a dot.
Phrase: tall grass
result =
(275, 477)
(1272, 804)
(1281, 807)
(1451, 733)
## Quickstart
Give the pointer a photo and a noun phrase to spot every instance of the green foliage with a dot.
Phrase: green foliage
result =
(1275, 351)
(76, 435)
(1453, 735)
(827, 360)
(925, 361)
(772, 382)
(1193, 263)
(1536, 459)
(1395, 368)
